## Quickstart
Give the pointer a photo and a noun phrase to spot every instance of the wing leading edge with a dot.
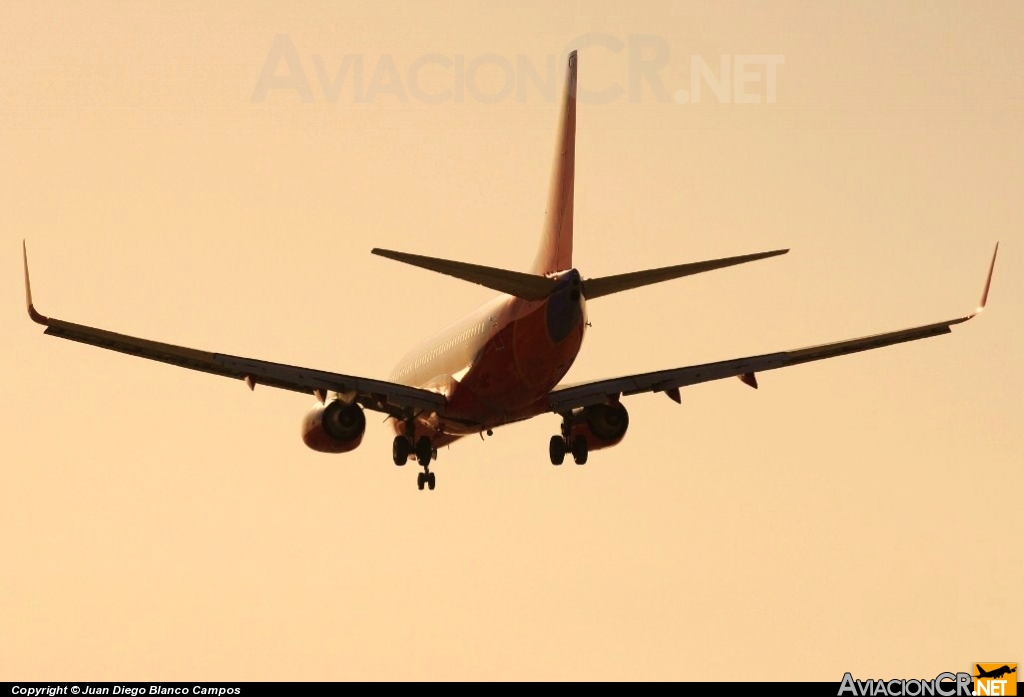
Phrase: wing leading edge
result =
(379, 395)
(669, 381)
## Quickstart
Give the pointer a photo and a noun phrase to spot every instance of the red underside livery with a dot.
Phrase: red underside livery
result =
(504, 362)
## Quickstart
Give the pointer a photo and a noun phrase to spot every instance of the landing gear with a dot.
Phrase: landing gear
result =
(425, 452)
(579, 450)
(400, 450)
(427, 479)
(568, 443)
(557, 450)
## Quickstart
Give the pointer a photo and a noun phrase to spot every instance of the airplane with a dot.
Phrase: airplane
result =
(995, 673)
(504, 362)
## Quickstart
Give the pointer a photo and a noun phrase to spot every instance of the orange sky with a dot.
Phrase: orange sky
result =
(860, 514)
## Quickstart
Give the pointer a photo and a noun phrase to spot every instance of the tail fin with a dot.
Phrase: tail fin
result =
(555, 251)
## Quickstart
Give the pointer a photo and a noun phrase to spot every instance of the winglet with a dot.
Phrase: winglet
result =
(36, 317)
(988, 281)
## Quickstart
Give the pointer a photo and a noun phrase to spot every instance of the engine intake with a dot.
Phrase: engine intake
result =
(334, 428)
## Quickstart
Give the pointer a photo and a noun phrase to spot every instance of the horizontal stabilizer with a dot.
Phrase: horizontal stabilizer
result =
(522, 285)
(606, 285)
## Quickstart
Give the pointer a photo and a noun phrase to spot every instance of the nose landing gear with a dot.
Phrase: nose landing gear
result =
(426, 478)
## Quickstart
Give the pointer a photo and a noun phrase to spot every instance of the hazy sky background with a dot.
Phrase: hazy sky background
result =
(860, 514)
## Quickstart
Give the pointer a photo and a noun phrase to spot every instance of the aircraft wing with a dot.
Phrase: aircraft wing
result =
(379, 395)
(569, 397)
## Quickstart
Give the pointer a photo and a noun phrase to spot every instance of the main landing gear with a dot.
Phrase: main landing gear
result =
(558, 447)
(424, 451)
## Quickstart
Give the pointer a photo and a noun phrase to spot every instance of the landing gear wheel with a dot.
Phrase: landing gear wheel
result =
(557, 450)
(400, 450)
(424, 451)
(579, 450)
(431, 480)
(421, 480)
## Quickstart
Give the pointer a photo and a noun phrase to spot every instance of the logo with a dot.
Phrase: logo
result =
(942, 685)
(995, 679)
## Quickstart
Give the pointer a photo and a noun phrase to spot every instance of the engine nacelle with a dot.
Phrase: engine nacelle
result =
(334, 428)
(603, 425)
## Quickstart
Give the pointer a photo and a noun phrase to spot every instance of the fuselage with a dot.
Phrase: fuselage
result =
(498, 364)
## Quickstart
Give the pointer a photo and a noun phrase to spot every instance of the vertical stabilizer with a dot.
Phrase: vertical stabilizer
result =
(555, 252)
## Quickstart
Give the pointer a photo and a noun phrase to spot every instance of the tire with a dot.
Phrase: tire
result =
(400, 450)
(556, 449)
(421, 480)
(424, 450)
(431, 480)
(579, 450)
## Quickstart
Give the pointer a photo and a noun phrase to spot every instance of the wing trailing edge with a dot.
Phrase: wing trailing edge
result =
(569, 397)
(388, 397)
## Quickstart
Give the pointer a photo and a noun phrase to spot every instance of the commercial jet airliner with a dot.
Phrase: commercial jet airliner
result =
(504, 362)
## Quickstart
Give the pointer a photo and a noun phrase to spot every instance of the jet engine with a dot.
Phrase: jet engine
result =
(334, 428)
(603, 425)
